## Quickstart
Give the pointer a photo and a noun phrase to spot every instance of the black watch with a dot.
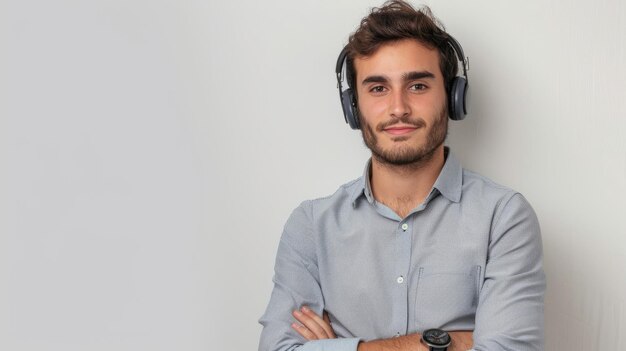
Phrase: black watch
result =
(436, 339)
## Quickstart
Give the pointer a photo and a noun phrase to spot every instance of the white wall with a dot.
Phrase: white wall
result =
(150, 152)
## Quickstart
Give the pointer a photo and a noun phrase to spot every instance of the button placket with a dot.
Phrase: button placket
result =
(403, 257)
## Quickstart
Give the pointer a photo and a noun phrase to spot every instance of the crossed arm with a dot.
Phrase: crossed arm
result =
(509, 312)
(313, 327)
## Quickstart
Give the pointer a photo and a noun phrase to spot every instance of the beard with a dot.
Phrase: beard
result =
(409, 154)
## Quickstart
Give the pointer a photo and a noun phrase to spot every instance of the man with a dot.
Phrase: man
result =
(417, 243)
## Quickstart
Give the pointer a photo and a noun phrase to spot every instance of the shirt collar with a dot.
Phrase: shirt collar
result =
(449, 182)
(363, 186)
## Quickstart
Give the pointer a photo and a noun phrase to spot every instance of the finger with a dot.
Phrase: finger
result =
(302, 330)
(327, 320)
(328, 330)
(308, 322)
(311, 324)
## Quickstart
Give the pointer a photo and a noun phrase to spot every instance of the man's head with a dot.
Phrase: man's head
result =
(400, 65)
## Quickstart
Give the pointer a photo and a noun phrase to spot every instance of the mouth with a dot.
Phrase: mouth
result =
(400, 130)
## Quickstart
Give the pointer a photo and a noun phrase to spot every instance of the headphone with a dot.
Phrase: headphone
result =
(457, 95)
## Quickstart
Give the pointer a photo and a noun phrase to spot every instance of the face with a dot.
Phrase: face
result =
(402, 102)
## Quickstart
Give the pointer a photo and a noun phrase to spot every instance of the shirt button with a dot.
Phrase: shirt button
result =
(400, 280)
(405, 226)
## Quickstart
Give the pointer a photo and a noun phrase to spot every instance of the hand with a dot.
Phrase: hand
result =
(312, 326)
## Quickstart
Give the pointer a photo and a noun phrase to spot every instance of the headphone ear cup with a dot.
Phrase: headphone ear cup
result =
(349, 109)
(457, 104)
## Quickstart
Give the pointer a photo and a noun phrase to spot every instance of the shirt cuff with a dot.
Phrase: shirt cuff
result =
(344, 344)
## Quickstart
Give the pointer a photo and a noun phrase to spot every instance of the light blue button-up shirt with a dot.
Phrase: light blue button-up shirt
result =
(468, 258)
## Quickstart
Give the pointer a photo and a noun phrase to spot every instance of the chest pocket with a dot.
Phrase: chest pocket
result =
(446, 297)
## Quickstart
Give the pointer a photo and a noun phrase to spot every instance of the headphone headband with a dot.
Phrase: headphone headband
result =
(458, 50)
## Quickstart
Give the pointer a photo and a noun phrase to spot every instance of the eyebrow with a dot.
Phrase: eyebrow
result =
(418, 75)
(406, 77)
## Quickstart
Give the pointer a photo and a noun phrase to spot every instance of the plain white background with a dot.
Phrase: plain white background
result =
(150, 152)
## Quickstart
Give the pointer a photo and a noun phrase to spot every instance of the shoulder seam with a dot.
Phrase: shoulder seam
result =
(502, 207)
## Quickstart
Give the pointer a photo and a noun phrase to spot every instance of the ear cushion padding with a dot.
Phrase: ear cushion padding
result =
(349, 109)
(457, 106)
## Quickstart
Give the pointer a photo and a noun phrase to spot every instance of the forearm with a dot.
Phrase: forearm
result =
(408, 342)
(461, 341)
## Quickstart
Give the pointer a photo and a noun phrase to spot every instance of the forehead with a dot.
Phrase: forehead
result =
(396, 58)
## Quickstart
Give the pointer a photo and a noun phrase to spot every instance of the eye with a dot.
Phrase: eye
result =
(418, 86)
(377, 89)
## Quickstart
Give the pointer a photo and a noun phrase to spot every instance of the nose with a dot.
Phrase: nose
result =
(399, 106)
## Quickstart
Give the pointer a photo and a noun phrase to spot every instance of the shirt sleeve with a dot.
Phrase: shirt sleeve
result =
(296, 283)
(509, 315)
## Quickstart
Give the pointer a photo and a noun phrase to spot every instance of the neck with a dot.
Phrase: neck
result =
(404, 187)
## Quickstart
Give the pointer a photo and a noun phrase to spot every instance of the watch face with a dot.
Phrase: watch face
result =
(436, 337)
